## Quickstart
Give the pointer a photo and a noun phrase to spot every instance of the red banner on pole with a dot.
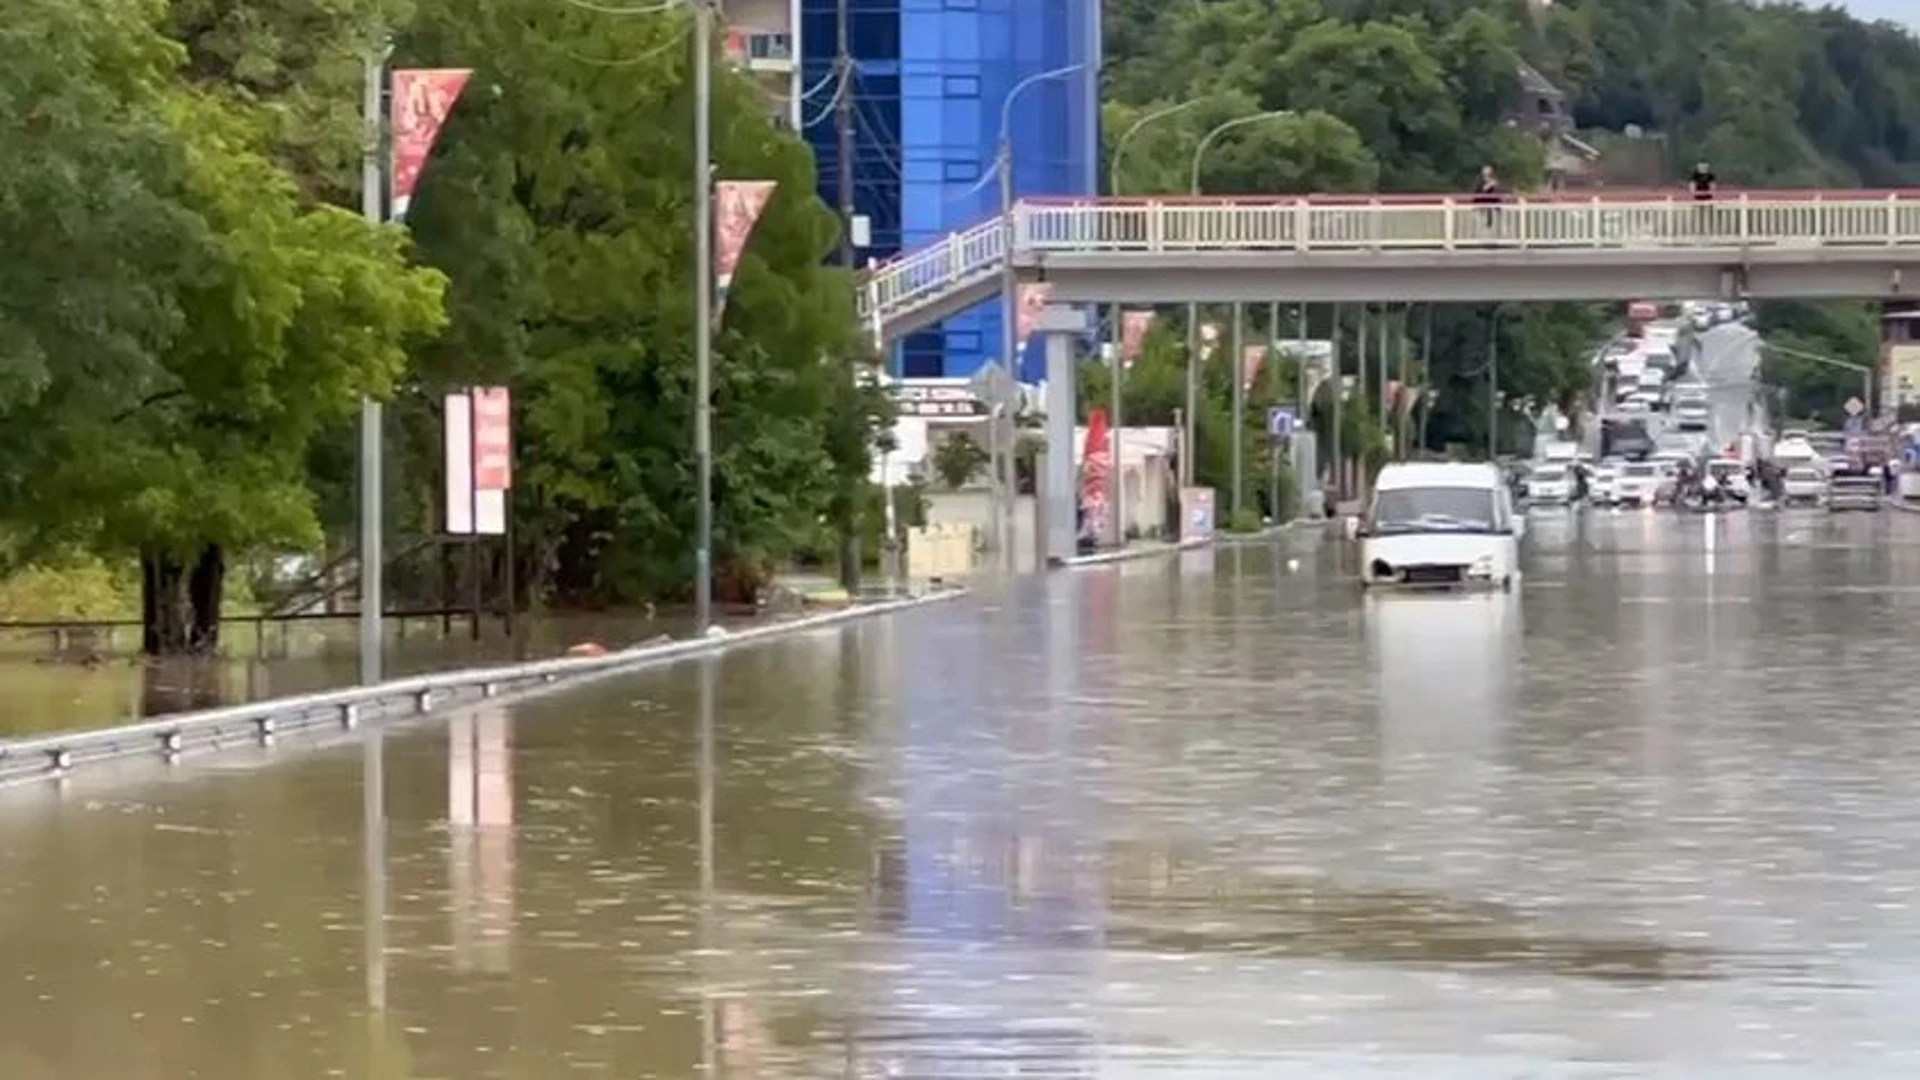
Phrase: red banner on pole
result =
(492, 439)
(1252, 359)
(1096, 466)
(1133, 334)
(738, 205)
(422, 98)
(1033, 299)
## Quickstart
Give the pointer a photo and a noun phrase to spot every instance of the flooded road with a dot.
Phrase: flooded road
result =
(1213, 816)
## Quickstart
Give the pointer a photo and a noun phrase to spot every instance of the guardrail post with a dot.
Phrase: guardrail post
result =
(264, 727)
(1893, 218)
(170, 744)
(1526, 223)
(350, 716)
(488, 690)
(956, 260)
(1449, 227)
(1302, 225)
(1745, 221)
(1594, 220)
(1156, 227)
(423, 701)
(61, 760)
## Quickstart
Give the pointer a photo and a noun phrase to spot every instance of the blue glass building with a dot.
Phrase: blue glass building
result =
(932, 77)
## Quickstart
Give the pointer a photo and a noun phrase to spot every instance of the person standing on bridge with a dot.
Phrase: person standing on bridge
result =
(1701, 182)
(1487, 195)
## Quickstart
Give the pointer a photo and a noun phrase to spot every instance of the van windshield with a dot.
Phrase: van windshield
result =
(1435, 509)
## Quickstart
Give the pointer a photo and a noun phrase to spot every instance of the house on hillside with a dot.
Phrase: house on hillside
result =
(1542, 112)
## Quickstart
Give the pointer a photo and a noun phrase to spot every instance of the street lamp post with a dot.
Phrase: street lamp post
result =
(1193, 309)
(1009, 285)
(703, 311)
(1116, 326)
(372, 418)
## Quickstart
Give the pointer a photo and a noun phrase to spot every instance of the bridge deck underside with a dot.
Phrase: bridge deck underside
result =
(1253, 276)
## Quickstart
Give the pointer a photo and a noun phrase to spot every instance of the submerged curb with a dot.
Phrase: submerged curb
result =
(257, 723)
(1129, 554)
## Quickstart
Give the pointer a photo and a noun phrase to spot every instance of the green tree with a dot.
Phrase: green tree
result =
(957, 459)
(562, 222)
(290, 314)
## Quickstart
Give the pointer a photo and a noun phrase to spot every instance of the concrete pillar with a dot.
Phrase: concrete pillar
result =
(1059, 493)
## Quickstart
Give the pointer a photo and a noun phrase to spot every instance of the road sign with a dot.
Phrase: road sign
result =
(1855, 406)
(1280, 420)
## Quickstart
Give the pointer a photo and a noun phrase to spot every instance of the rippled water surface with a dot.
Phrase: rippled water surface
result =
(1658, 814)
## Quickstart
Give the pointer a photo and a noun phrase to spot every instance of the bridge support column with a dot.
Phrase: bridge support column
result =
(1059, 493)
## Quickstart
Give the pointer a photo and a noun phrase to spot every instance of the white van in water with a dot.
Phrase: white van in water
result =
(1441, 525)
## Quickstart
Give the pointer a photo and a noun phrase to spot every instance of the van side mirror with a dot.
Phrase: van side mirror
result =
(1355, 527)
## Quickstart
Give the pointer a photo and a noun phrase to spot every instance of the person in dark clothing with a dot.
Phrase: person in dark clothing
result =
(1487, 195)
(1701, 181)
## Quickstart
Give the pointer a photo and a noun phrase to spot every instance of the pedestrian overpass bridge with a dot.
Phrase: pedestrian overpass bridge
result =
(1397, 248)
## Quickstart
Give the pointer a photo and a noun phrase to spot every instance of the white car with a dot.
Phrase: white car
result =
(1804, 483)
(1692, 414)
(1702, 319)
(1550, 485)
(1638, 484)
(1634, 406)
(1439, 525)
(1601, 483)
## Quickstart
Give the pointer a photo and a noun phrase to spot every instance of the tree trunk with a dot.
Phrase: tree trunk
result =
(163, 611)
(206, 589)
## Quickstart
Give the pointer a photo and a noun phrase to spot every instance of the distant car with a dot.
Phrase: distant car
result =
(1692, 414)
(1634, 406)
(1551, 484)
(1637, 485)
(1804, 484)
(1600, 484)
(1725, 313)
(1702, 319)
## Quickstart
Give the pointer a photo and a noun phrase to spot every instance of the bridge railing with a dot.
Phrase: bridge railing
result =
(1618, 220)
(1626, 220)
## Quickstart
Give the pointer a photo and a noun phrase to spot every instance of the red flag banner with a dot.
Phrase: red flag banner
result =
(738, 205)
(1252, 359)
(1133, 334)
(492, 439)
(1096, 466)
(422, 98)
(1033, 298)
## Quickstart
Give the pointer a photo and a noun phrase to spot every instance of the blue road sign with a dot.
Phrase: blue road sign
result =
(1280, 420)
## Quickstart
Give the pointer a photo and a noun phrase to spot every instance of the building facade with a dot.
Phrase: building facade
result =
(930, 78)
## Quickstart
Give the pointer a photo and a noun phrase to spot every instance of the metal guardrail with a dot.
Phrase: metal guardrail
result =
(169, 737)
(1650, 221)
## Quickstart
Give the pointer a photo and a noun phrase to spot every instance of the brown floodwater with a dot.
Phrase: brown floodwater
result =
(1214, 815)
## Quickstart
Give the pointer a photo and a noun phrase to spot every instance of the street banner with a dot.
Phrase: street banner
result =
(1133, 334)
(476, 493)
(737, 206)
(1096, 468)
(421, 100)
(1032, 297)
(1252, 359)
(492, 439)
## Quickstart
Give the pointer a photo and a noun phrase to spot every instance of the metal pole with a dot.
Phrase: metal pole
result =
(1493, 385)
(1360, 360)
(1401, 414)
(1115, 489)
(1426, 371)
(843, 128)
(1004, 484)
(1380, 350)
(1339, 391)
(1190, 441)
(1238, 369)
(372, 415)
(703, 312)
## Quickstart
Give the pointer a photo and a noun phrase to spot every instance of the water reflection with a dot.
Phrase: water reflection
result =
(1635, 818)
